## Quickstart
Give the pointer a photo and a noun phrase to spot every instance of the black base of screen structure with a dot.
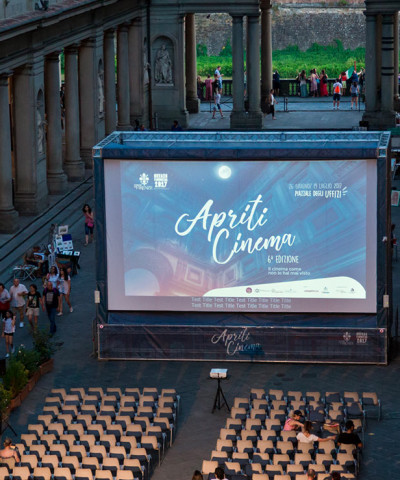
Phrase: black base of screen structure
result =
(220, 399)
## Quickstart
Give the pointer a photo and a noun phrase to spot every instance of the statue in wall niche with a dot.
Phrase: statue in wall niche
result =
(163, 66)
(100, 92)
(40, 124)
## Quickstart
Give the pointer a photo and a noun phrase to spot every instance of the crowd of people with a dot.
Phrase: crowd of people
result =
(18, 302)
(305, 436)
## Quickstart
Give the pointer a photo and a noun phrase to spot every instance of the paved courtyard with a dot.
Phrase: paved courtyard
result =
(198, 428)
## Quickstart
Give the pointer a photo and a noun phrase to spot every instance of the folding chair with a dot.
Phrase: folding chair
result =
(269, 435)
(239, 413)
(324, 459)
(127, 412)
(273, 424)
(261, 459)
(119, 453)
(45, 420)
(251, 435)
(285, 447)
(95, 429)
(88, 409)
(272, 470)
(288, 436)
(302, 459)
(65, 419)
(228, 434)
(77, 451)
(292, 470)
(208, 466)
(38, 450)
(78, 391)
(152, 391)
(50, 461)
(234, 424)
(99, 452)
(281, 459)
(47, 440)
(275, 395)
(232, 468)
(124, 475)
(260, 404)
(114, 391)
(76, 429)
(58, 450)
(112, 465)
(260, 476)
(56, 429)
(98, 391)
(253, 424)
(242, 458)
(21, 473)
(40, 473)
(220, 457)
(332, 397)
(370, 400)
(123, 420)
(103, 475)
(70, 462)
(134, 466)
(241, 402)
(90, 463)
(36, 429)
(265, 446)
(152, 446)
(258, 413)
(245, 446)
(313, 396)
(30, 461)
(62, 474)
(257, 393)
(83, 474)
(149, 401)
(109, 400)
(127, 443)
(133, 392)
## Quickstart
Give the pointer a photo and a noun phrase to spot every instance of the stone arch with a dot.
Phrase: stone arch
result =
(163, 48)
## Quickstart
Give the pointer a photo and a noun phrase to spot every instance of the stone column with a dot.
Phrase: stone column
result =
(8, 214)
(123, 79)
(56, 178)
(238, 115)
(387, 69)
(253, 72)
(73, 165)
(266, 49)
(370, 68)
(91, 95)
(192, 101)
(109, 82)
(31, 194)
(396, 54)
(136, 71)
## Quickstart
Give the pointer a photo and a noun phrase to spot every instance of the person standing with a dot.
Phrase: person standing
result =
(209, 89)
(314, 83)
(50, 305)
(64, 288)
(323, 82)
(303, 84)
(271, 102)
(217, 103)
(276, 82)
(337, 93)
(89, 223)
(18, 293)
(354, 91)
(33, 306)
(8, 331)
(4, 300)
(218, 76)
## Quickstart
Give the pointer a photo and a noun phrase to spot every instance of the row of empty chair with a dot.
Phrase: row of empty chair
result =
(97, 435)
(254, 444)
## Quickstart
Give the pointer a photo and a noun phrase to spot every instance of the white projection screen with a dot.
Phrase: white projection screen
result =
(245, 236)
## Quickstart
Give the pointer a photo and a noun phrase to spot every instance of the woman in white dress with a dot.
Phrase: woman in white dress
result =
(64, 287)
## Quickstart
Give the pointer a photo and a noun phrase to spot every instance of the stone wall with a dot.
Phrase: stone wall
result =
(298, 24)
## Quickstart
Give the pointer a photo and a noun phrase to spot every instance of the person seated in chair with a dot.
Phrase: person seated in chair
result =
(349, 437)
(34, 257)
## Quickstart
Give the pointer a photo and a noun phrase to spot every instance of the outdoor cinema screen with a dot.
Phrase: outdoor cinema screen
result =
(241, 236)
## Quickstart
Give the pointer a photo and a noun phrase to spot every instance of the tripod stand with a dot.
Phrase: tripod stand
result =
(218, 396)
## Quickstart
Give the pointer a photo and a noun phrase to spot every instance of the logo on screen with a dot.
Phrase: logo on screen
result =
(144, 179)
(160, 180)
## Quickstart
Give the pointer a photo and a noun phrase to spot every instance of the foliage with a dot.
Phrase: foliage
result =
(29, 358)
(291, 60)
(201, 50)
(226, 50)
(5, 399)
(43, 345)
(16, 377)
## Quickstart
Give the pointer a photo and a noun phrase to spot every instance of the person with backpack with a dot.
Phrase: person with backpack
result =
(337, 93)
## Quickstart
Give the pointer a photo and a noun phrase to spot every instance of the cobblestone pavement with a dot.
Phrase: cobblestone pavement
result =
(198, 428)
